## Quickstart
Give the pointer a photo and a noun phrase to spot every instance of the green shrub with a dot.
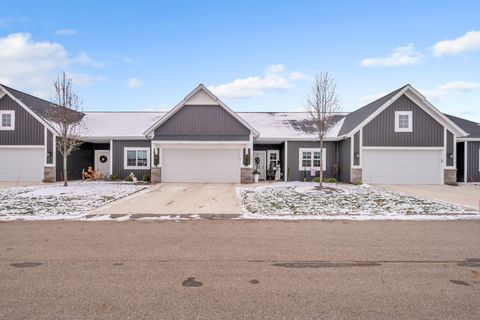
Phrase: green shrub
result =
(358, 183)
(316, 179)
(331, 180)
(114, 177)
(146, 178)
(128, 178)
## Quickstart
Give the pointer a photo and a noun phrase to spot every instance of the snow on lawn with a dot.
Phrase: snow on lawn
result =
(300, 200)
(56, 201)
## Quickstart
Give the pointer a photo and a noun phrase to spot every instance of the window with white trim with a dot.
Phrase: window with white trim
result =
(403, 121)
(309, 158)
(7, 120)
(136, 158)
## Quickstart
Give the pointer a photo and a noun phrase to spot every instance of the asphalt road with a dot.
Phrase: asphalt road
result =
(240, 270)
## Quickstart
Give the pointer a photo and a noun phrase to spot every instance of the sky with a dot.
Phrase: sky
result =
(254, 55)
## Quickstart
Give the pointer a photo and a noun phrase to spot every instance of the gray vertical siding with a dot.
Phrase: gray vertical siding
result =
(356, 148)
(460, 161)
(118, 158)
(293, 172)
(205, 122)
(28, 130)
(380, 132)
(344, 167)
(473, 150)
(449, 149)
(49, 147)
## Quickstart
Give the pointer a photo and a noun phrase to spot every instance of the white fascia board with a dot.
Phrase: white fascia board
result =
(33, 114)
(279, 140)
(167, 142)
(182, 103)
(467, 139)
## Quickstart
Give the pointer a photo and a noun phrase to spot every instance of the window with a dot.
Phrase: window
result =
(403, 121)
(136, 158)
(273, 158)
(310, 158)
(7, 120)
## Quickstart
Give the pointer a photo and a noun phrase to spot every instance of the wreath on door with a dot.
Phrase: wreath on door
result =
(103, 159)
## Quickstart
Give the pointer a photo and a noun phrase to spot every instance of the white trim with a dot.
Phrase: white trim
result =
(353, 165)
(182, 103)
(403, 148)
(245, 142)
(467, 139)
(12, 120)
(397, 121)
(421, 102)
(29, 146)
(111, 158)
(285, 163)
(352, 156)
(33, 114)
(125, 151)
(2, 94)
(465, 169)
(54, 142)
(45, 144)
(479, 159)
(312, 150)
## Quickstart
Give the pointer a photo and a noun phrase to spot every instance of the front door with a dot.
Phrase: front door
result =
(102, 162)
(261, 167)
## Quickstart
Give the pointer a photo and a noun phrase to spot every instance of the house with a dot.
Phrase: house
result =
(397, 139)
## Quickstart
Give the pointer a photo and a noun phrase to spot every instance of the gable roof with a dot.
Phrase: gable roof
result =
(472, 128)
(39, 107)
(357, 119)
(185, 100)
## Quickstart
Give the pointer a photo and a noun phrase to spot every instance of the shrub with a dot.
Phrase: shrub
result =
(331, 180)
(146, 178)
(358, 183)
(316, 179)
(128, 178)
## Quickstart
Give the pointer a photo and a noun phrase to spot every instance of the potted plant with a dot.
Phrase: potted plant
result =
(256, 173)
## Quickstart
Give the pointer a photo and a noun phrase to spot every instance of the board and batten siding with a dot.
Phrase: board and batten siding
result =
(344, 164)
(380, 132)
(118, 158)
(202, 123)
(473, 165)
(49, 147)
(293, 172)
(28, 130)
(356, 148)
(450, 149)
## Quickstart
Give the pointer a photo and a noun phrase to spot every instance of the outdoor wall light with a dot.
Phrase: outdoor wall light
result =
(450, 155)
(357, 155)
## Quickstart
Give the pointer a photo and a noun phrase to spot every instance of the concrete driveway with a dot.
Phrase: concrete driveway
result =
(179, 198)
(464, 195)
(11, 184)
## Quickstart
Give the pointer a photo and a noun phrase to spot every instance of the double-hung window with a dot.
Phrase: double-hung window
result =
(7, 120)
(403, 121)
(136, 158)
(309, 158)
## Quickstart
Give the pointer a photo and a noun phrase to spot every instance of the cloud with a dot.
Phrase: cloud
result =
(34, 65)
(66, 32)
(450, 87)
(276, 78)
(401, 56)
(134, 83)
(84, 59)
(470, 41)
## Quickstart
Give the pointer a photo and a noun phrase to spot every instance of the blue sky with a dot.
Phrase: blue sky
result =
(257, 56)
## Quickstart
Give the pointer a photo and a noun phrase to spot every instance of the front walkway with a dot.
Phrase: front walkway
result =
(464, 195)
(179, 198)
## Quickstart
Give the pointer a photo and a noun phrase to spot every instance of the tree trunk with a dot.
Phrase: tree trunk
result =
(321, 163)
(65, 180)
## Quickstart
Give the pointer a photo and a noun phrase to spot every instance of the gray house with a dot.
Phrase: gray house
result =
(398, 139)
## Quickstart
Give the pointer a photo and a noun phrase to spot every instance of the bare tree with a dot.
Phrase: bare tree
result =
(322, 104)
(67, 118)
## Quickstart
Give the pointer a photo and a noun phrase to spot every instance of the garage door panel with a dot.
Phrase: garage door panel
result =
(402, 166)
(21, 164)
(201, 165)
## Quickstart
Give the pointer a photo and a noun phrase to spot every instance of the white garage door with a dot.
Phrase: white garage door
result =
(402, 166)
(201, 165)
(21, 164)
